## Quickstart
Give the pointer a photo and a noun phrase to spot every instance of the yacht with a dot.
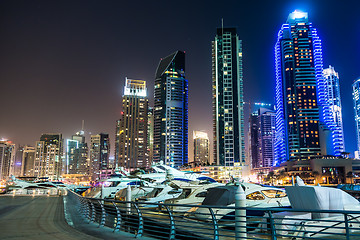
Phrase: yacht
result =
(257, 196)
(193, 193)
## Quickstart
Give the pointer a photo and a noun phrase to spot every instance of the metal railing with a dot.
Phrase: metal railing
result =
(36, 192)
(173, 221)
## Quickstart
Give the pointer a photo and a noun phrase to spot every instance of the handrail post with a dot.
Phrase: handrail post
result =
(240, 213)
(118, 218)
(172, 233)
(92, 218)
(272, 227)
(347, 226)
(103, 213)
(141, 221)
(128, 199)
(215, 224)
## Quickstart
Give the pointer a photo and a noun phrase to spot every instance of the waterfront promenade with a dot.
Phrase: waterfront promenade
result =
(43, 217)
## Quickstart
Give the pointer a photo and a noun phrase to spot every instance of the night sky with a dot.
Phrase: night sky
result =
(62, 62)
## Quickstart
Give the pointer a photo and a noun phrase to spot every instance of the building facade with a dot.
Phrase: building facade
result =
(227, 90)
(356, 99)
(305, 127)
(77, 154)
(332, 85)
(7, 158)
(171, 111)
(48, 156)
(99, 154)
(134, 126)
(28, 160)
(150, 135)
(201, 148)
(262, 138)
(117, 141)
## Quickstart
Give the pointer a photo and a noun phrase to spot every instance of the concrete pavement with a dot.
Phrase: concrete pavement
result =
(42, 217)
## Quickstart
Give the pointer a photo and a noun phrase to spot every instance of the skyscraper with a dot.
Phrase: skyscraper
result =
(332, 84)
(150, 135)
(18, 161)
(171, 111)
(201, 148)
(76, 154)
(262, 138)
(7, 156)
(356, 99)
(227, 89)
(99, 154)
(133, 126)
(305, 126)
(28, 161)
(117, 142)
(48, 156)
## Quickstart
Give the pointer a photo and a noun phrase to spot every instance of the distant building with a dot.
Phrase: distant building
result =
(332, 87)
(356, 99)
(28, 162)
(228, 109)
(77, 154)
(262, 138)
(7, 157)
(16, 166)
(201, 148)
(133, 126)
(48, 156)
(99, 154)
(171, 111)
(117, 142)
(150, 135)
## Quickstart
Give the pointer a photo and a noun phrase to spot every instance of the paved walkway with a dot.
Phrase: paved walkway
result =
(24, 217)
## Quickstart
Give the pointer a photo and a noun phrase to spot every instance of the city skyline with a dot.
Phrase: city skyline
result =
(72, 82)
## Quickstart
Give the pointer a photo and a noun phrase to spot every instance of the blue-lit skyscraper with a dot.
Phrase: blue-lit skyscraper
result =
(305, 126)
(171, 111)
(227, 91)
(332, 84)
(356, 99)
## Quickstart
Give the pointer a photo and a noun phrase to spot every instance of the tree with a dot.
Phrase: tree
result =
(351, 176)
(316, 175)
(271, 176)
(260, 175)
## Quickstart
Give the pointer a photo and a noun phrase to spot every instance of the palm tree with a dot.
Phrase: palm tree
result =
(271, 176)
(315, 174)
(260, 175)
(351, 176)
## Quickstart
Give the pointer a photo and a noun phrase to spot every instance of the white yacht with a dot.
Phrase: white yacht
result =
(257, 196)
(193, 193)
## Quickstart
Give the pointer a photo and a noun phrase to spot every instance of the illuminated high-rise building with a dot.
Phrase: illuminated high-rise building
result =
(133, 126)
(117, 142)
(28, 160)
(150, 135)
(262, 138)
(227, 90)
(171, 111)
(305, 126)
(332, 86)
(77, 154)
(201, 148)
(17, 165)
(7, 158)
(356, 99)
(48, 156)
(99, 154)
